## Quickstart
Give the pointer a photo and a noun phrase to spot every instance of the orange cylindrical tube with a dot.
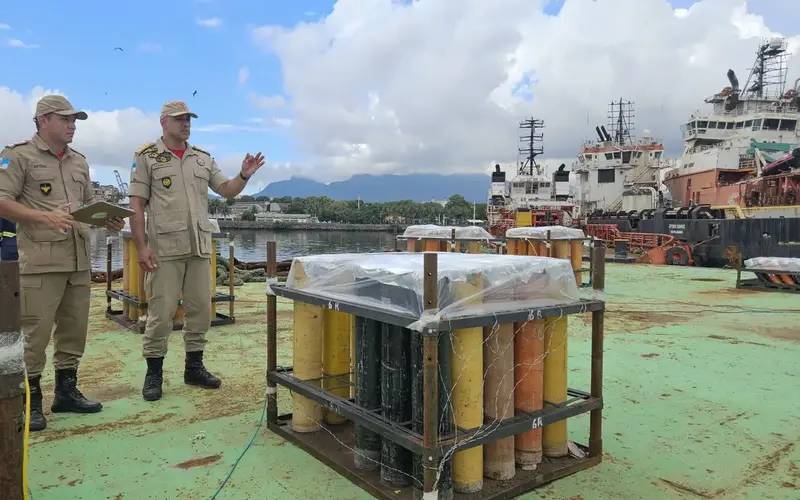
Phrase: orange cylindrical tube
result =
(430, 245)
(528, 394)
(411, 245)
(511, 246)
(498, 398)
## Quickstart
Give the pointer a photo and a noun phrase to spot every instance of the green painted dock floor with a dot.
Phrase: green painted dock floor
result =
(701, 390)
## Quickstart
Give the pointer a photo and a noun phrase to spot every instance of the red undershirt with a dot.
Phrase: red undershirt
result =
(178, 152)
(61, 154)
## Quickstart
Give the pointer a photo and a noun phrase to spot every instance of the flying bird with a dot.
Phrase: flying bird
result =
(194, 93)
(119, 49)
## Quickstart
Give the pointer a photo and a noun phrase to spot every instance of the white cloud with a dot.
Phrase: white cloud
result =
(4, 26)
(244, 75)
(149, 47)
(16, 43)
(267, 101)
(440, 85)
(212, 22)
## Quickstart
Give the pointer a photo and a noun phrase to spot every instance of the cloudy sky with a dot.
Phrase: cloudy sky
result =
(329, 89)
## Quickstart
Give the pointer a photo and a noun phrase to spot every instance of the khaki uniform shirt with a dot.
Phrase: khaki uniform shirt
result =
(33, 175)
(176, 191)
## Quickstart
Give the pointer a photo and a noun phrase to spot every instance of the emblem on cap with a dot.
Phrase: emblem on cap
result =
(166, 182)
(45, 188)
(163, 157)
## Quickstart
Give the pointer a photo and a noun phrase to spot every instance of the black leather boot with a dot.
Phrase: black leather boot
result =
(151, 391)
(67, 396)
(196, 374)
(37, 421)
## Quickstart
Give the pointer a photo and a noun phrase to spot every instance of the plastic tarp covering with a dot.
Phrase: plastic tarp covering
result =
(431, 231)
(468, 284)
(787, 264)
(540, 233)
(11, 353)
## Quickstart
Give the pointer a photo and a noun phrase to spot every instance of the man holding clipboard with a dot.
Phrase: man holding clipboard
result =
(41, 181)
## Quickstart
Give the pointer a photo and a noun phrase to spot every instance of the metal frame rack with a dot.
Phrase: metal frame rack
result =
(762, 281)
(596, 255)
(118, 315)
(330, 444)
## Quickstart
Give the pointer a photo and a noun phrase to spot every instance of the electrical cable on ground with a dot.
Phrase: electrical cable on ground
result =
(246, 448)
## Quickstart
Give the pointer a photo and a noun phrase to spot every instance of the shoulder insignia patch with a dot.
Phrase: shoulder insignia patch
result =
(78, 153)
(4, 162)
(12, 146)
(147, 148)
(201, 150)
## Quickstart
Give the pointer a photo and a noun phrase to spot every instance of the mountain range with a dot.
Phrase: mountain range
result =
(376, 188)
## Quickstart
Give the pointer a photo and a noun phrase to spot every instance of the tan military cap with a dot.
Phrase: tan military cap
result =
(58, 104)
(176, 108)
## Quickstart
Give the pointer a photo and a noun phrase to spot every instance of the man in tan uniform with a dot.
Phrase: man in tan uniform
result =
(41, 180)
(170, 181)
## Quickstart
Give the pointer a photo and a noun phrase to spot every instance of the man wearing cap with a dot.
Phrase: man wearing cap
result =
(169, 181)
(41, 181)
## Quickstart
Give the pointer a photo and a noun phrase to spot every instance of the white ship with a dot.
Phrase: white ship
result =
(618, 172)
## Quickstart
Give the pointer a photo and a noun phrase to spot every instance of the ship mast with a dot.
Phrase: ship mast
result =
(530, 145)
(767, 77)
(620, 120)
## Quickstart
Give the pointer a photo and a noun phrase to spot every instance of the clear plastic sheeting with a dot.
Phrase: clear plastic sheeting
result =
(432, 231)
(468, 284)
(786, 264)
(11, 353)
(541, 233)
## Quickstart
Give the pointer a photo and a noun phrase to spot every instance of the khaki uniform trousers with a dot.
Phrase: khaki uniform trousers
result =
(60, 299)
(188, 278)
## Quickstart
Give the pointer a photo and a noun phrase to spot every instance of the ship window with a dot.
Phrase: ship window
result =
(757, 124)
(626, 157)
(605, 175)
(748, 124)
(730, 125)
(608, 156)
(712, 124)
(739, 124)
(788, 124)
(702, 124)
(617, 155)
(588, 157)
(690, 125)
(770, 124)
(658, 154)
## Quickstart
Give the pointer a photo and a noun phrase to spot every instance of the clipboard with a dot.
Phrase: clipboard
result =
(97, 213)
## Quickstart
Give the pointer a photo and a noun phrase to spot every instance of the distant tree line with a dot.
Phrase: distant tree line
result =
(456, 211)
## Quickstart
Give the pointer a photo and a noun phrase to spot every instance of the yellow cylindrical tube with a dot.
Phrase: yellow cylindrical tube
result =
(125, 273)
(473, 247)
(307, 359)
(554, 436)
(576, 258)
(133, 279)
(213, 278)
(498, 398)
(336, 358)
(467, 373)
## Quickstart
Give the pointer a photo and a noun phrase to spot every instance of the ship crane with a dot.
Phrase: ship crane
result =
(122, 186)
